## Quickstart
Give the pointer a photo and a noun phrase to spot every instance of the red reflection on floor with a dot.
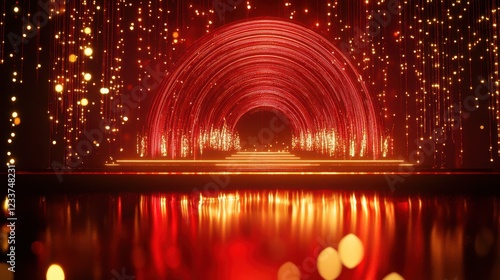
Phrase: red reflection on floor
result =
(250, 234)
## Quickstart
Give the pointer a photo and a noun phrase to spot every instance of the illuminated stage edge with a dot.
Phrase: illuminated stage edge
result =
(263, 162)
(252, 171)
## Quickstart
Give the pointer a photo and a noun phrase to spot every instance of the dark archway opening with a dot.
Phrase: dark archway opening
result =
(264, 130)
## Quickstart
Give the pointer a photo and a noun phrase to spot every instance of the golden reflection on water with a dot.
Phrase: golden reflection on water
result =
(252, 234)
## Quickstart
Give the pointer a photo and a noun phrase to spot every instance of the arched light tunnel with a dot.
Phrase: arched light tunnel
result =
(264, 64)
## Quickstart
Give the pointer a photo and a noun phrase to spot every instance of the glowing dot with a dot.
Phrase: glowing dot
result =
(13, 134)
(87, 30)
(104, 90)
(28, 27)
(107, 127)
(72, 58)
(12, 161)
(249, 7)
(59, 88)
(288, 271)
(13, 98)
(175, 34)
(17, 121)
(131, 27)
(54, 142)
(55, 272)
(481, 127)
(351, 250)
(9, 141)
(175, 41)
(87, 76)
(393, 276)
(8, 153)
(14, 114)
(125, 118)
(328, 263)
(88, 51)
(16, 9)
(84, 102)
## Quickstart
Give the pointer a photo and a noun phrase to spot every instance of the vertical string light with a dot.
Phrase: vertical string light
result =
(87, 43)
(2, 31)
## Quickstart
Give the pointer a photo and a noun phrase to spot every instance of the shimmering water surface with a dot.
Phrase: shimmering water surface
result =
(252, 234)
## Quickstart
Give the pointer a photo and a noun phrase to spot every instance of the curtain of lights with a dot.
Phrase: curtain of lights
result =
(87, 47)
(449, 62)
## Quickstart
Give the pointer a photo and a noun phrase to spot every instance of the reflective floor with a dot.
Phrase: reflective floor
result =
(260, 235)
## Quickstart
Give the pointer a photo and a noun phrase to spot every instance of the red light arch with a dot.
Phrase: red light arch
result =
(264, 63)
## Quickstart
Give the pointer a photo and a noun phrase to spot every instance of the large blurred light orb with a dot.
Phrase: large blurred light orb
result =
(104, 90)
(288, 271)
(393, 276)
(328, 263)
(59, 88)
(351, 250)
(84, 102)
(87, 76)
(88, 51)
(87, 30)
(55, 272)
(72, 58)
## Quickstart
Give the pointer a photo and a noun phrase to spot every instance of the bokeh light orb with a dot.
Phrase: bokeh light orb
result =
(72, 58)
(288, 271)
(88, 51)
(104, 90)
(393, 276)
(55, 272)
(59, 88)
(87, 76)
(175, 34)
(87, 30)
(84, 102)
(329, 264)
(17, 121)
(351, 250)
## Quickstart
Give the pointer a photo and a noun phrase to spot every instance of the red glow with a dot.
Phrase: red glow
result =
(265, 64)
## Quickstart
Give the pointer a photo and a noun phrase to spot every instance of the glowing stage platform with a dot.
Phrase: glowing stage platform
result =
(263, 162)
